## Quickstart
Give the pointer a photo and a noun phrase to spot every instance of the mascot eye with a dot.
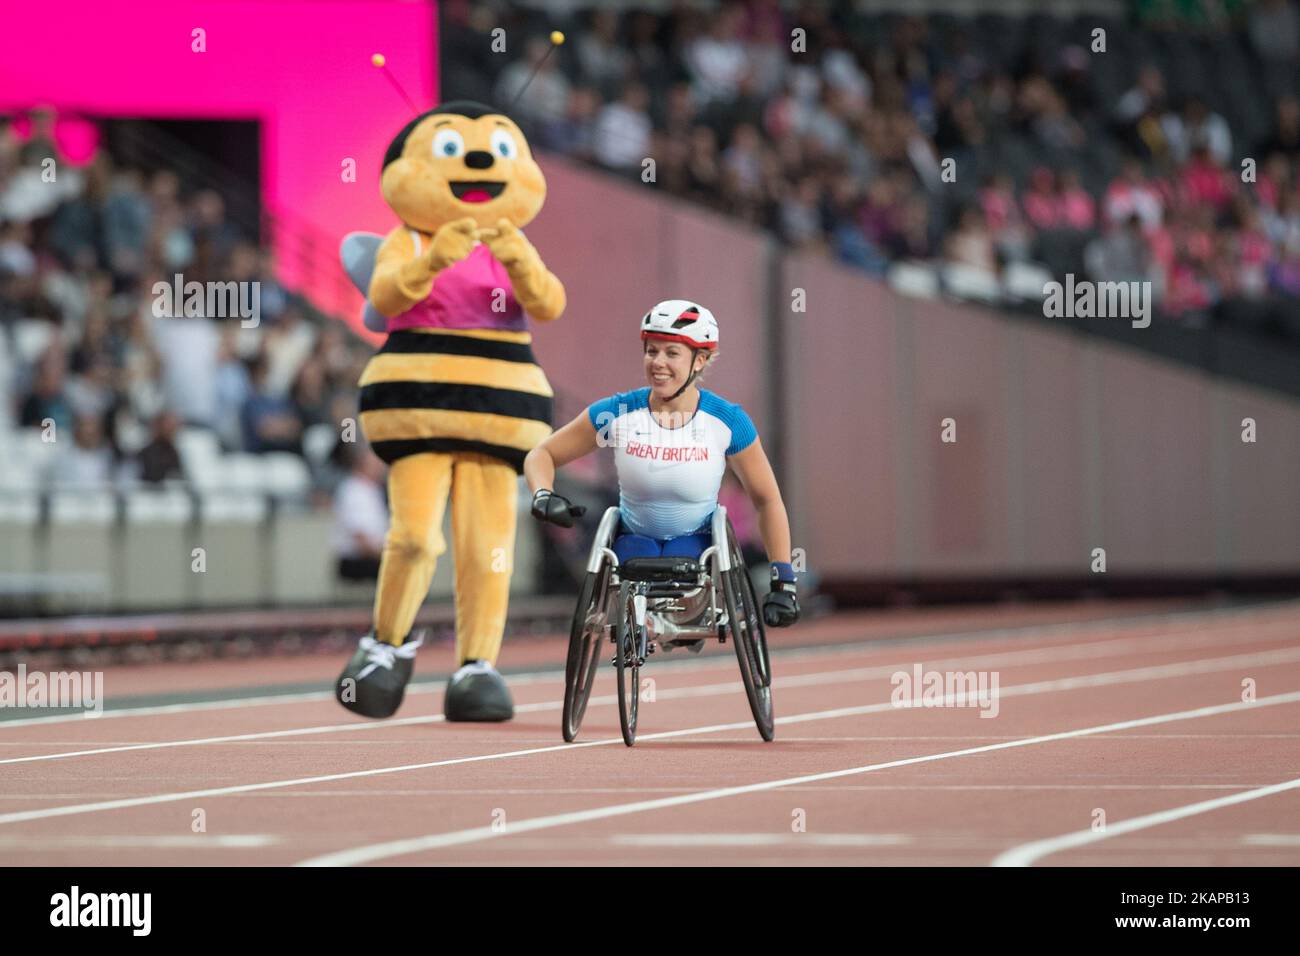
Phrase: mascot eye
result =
(448, 142)
(503, 144)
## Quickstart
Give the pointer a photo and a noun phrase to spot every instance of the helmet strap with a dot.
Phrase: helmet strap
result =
(690, 378)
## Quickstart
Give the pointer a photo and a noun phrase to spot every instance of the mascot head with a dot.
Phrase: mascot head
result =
(462, 159)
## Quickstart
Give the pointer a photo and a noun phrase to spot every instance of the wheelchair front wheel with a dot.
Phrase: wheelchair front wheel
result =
(586, 644)
(745, 621)
(627, 661)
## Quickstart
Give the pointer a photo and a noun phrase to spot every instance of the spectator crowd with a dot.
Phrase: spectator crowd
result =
(1148, 161)
(831, 128)
(84, 352)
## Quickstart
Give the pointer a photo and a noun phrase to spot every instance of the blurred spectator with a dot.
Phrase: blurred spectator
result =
(86, 461)
(189, 349)
(1003, 216)
(1132, 194)
(16, 257)
(601, 59)
(159, 460)
(1197, 127)
(1077, 209)
(233, 390)
(971, 243)
(270, 421)
(360, 514)
(214, 235)
(545, 96)
(1285, 137)
(1145, 98)
(800, 214)
(573, 132)
(126, 223)
(717, 60)
(1204, 181)
(47, 399)
(1122, 255)
(1274, 27)
(621, 136)
(288, 342)
(310, 394)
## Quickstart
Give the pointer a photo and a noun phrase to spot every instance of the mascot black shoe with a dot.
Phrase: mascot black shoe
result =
(477, 693)
(374, 681)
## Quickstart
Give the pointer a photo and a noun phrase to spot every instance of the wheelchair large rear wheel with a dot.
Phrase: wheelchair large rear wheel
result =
(627, 661)
(745, 621)
(587, 641)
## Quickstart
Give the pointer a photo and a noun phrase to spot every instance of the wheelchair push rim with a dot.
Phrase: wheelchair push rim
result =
(627, 663)
(745, 622)
(587, 640)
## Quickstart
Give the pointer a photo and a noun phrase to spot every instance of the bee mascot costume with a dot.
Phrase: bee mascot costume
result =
(454, 399)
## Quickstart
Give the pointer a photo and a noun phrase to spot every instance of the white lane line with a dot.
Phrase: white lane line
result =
(231, 703)
(1002, 658)
(1243, 617)
(394, 848)
(1039, 687)
(683, 840)
(228, 841)
(1271, 839)
(1029, 853)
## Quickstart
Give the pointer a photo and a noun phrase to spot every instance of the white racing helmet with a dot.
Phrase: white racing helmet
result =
(680, 320)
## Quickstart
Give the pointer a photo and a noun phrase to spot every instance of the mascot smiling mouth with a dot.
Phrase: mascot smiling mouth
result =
(476, 191)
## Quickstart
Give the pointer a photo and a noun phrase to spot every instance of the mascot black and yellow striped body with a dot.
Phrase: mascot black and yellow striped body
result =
(480, 390)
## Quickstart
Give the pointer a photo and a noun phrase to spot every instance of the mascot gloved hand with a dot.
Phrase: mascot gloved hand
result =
(454, 399)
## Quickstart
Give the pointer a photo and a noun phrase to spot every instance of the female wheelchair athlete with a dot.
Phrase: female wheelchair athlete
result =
(646, 603)
(665, 570)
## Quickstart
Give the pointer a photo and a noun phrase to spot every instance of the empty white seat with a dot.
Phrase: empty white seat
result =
(20, 473)
(242, 472)
(914, 279)
(82, 506)
(969, 282)
(285, 474)
(158, 506)
(30, 445)
(199, 450)
(232, 508)
(1025, 281)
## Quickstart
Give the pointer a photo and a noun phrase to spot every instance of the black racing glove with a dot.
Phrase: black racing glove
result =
(781, 606)
(557, 509)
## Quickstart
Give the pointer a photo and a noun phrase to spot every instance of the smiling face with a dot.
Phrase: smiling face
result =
(452, 166)
(668, 365)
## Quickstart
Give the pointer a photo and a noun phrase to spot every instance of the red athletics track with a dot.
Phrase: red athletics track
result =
(1134, 711)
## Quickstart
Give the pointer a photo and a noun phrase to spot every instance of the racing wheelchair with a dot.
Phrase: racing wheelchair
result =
(644, 604)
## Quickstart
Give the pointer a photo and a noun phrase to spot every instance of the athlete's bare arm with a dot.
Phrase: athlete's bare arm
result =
(755, 473)
(571, 442)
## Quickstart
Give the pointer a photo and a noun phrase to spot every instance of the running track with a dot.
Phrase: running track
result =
(1131, 711)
